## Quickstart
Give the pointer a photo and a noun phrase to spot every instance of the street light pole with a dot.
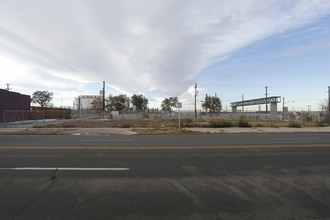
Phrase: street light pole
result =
(266, 100)
(283, 110)
(283, 107)
(103, 98)
(196, 92)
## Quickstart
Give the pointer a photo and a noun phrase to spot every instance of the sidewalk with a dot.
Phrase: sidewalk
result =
(66, 131)
(262, 130)
(129, 131)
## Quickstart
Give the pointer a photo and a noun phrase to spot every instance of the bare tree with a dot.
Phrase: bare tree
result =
(324, 105)
(97, 104)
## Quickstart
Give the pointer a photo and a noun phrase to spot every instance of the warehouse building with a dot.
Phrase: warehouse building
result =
(13, 106)
(84, 102)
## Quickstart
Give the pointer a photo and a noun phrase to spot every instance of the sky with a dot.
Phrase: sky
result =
(162, 48)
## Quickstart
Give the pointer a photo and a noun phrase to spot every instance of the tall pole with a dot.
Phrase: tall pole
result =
(179, 120)
(79, 107)
(8, 86)
(283, 110)
(266, 100)
(329, 100)
(103, 98)
(196, 92)
(242, 103)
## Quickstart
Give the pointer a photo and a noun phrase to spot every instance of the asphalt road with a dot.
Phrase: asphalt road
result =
(250, 176)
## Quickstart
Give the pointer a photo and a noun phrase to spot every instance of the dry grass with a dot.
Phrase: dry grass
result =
(164, 123)
(114, 123)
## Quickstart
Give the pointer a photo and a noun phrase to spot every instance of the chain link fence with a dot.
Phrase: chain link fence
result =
(301, 118)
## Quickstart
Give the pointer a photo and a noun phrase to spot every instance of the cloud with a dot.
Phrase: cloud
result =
(136, 46)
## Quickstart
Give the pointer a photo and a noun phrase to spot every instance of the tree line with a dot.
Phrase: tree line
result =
(122, 102)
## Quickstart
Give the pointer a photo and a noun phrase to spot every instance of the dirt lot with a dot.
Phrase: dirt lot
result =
(156, 126)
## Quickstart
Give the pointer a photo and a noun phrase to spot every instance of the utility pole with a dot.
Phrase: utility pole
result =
(103, 98)
(242, 103)
(196, 92)
(283, 110)
(8, 86)
(328, 101)
(266, 100)
(79, 107)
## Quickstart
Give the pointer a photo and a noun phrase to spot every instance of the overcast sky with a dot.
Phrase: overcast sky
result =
(161, 48)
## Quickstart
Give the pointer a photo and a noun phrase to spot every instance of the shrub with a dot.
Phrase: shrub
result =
(322, 123)
(187, 120)
(221, 124)
(243, 122)
(309, 119)
(124, 125)
(294, 124)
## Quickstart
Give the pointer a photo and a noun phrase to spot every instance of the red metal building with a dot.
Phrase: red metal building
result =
(13, 106)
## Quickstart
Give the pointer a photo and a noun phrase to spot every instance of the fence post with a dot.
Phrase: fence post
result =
(43, 117)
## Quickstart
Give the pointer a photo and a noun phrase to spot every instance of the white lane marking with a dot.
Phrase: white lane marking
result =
(107, 140)
(66, 168)
(296, 138)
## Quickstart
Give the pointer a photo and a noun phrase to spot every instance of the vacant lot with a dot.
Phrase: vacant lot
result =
(174, 123)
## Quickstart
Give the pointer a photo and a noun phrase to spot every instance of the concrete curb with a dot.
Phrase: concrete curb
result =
(262, 130)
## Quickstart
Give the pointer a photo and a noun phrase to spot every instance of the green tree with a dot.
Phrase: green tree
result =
(213, 103)
(117, 103)
(139, 102)
(169, 103)
(42, 98)
(206, 103)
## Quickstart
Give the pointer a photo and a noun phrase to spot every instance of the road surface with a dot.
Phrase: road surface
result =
(250, 176)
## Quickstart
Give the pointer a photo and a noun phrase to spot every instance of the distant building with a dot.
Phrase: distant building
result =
(84, 102)
(14, 106)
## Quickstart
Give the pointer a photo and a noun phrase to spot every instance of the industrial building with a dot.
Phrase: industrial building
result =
(84, 102)
(13, 106)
